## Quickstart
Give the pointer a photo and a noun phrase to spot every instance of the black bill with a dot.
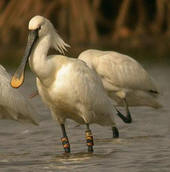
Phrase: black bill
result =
(18, 77)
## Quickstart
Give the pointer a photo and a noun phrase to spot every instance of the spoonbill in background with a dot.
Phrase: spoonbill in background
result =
(13, 105)
(124, 79)
(69, 88)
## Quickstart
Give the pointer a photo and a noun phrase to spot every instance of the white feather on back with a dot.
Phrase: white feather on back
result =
(122, 74)
(118, 69)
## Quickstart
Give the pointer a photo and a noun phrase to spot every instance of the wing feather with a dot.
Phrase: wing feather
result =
(118, 70)
(124, 72)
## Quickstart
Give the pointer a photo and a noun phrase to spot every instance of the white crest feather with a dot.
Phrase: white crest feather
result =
(59, 44)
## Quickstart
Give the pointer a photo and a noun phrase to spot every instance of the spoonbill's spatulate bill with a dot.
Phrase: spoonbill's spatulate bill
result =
(13, 105)
(67, 86)
(124, 79)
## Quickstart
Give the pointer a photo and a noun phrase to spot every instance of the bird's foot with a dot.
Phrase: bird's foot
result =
(34, 94)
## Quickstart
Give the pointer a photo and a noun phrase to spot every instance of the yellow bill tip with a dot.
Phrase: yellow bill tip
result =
(17, 82)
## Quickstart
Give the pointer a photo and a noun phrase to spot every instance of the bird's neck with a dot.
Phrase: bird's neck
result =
(38, 60)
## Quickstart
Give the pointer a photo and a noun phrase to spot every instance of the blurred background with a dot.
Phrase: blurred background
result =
(139, 28)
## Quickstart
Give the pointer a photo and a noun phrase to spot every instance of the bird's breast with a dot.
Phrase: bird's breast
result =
(56, 90)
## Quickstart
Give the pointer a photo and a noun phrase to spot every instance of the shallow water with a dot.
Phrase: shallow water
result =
(143, 146)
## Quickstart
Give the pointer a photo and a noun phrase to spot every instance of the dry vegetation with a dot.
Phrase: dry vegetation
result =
(138, 23)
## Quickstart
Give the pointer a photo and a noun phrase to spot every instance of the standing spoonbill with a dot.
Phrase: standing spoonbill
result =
(124, 79)
(69, 88)
(13, 105)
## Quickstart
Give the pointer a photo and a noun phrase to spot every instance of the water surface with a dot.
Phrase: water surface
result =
(143, 146)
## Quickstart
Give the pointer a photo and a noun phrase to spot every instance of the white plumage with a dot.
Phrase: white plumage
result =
(13, 105)
(67, 86)
(122, 77)
(73, 91)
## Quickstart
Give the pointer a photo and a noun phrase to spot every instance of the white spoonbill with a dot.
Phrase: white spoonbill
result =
(67, 86)
(13, 105)
(124, 79)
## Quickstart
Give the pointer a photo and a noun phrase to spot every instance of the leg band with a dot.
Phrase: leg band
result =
(66, 144)
(89, 139)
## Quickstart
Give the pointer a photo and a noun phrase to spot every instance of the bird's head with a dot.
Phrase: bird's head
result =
(39, 27)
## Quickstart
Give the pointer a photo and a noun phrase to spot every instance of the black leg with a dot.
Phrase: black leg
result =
(89, 139)
(65, 140)
(115, 132)
(127, 118)
(128, 114)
